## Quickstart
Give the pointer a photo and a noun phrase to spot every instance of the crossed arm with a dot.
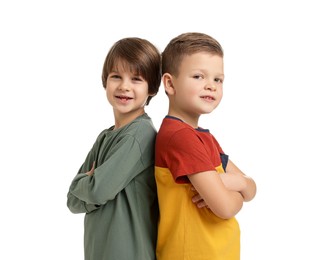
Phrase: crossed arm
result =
(223, 193)
(236, 180)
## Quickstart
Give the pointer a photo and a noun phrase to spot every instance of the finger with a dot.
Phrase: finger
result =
(196, 198)
(201, 204)
(92, 168)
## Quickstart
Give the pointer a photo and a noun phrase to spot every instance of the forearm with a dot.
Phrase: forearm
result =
(230, 206)
(76, 205)
(223, 202)
(240, 183)
(82, 187)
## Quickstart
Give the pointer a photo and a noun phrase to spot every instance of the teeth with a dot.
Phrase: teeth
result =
(209, 98)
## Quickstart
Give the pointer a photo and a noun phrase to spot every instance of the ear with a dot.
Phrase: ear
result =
(168, 83)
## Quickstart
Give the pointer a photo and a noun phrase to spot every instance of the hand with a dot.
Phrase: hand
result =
(91, 172)
(197, 199)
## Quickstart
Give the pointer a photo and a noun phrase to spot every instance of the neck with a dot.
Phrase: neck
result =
(192, 120)
(124, 119)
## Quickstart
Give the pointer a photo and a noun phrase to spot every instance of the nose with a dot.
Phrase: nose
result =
(124, 86)
(210, 86)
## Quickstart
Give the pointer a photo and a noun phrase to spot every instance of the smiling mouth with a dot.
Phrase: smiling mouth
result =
(123, 98)
(209, 98)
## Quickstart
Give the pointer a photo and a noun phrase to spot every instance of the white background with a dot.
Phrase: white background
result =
(270, 121)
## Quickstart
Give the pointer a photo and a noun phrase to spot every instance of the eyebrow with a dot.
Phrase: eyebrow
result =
(204, 71)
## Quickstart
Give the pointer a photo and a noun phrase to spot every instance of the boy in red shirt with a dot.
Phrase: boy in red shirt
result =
(199, 189)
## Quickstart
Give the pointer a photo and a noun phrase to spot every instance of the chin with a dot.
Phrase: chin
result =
(206, 111)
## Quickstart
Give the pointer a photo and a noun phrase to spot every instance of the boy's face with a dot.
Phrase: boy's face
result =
(126, 91)
(198, 87)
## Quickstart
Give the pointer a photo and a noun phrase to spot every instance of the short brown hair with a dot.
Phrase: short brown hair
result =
(141, 57)
(187, 44)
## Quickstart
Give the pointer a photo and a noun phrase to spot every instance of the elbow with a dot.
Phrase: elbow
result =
(227, 214)
(75, 205)
(248, 197)
(251, 192)
(75, 210)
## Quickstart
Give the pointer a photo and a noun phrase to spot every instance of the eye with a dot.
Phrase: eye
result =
(114, 76)
(219, 80)
(137, 78)
(198, 76)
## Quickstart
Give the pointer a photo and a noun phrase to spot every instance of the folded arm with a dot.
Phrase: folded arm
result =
(223, 202)
(234, 179)
(78, 206)
(102, 183)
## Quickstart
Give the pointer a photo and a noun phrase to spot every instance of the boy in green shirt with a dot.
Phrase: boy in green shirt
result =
(115, 186)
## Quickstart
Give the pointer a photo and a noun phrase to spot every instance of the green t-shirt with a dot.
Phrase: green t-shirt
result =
(120, 199)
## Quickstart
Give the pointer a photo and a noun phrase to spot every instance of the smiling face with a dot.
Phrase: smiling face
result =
(127, 92)
(198, 87)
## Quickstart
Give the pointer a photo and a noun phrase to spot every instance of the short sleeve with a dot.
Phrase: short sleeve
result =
(187, 155)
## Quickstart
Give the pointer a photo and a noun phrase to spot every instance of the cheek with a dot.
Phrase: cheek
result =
(143, 91)
(220, 93)
(108, 93)
(192, 93)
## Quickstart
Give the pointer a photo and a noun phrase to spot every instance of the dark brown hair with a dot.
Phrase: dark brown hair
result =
(187, 44)
(139, 56)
